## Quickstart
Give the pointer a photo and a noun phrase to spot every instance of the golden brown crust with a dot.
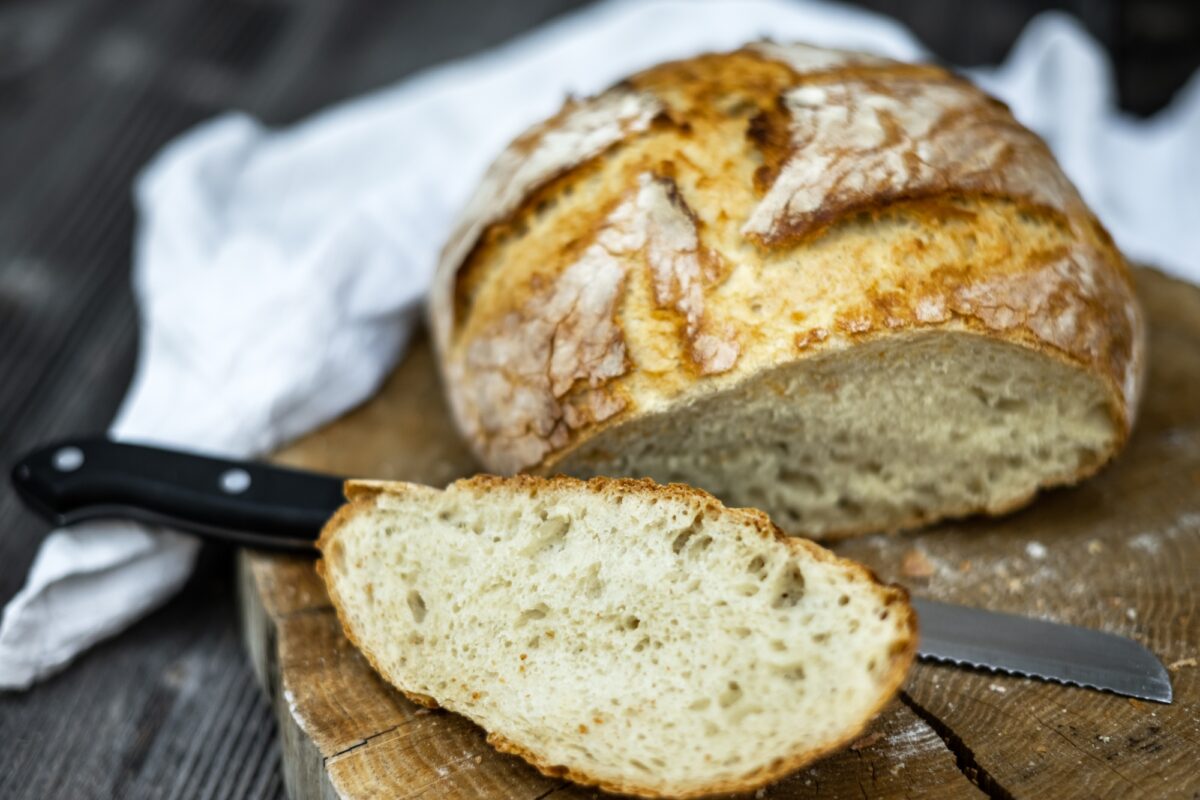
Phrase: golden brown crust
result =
(538, 373)
(366, 494)
(868, 142)
(673, 261)
(579, 132)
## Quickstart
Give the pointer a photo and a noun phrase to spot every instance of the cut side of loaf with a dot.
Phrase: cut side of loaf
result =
(887, 435)
(628, 635)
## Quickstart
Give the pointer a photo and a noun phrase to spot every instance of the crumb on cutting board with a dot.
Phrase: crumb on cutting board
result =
(916, 564)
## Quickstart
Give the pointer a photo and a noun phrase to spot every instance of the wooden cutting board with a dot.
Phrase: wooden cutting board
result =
(1120, 553)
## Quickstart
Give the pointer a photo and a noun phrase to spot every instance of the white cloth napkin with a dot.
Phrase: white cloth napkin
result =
(278, 273)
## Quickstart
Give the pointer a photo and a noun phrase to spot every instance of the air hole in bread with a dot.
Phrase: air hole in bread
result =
(533, 614)
(756, 496)
(790, 588)
(800, 479)
(791, 518)
(416, 604)
(682, 538)
(743, 710)
(551, 531)
(991, 379)
(793, 672)
(730, 695)
(1010, 404)
(849, 506)
(592, 585)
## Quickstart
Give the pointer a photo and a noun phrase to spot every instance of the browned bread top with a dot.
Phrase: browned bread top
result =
(712, 218)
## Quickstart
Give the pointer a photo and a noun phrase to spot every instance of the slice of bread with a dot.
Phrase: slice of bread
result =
(628, 635)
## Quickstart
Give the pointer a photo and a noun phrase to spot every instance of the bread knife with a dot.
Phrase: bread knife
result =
(277, 508)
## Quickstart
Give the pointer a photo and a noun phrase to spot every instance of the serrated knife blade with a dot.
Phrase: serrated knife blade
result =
(1036, 648)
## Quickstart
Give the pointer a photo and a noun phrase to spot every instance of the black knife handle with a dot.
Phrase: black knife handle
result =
(247, 503)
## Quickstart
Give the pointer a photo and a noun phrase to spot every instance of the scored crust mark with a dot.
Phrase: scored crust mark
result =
(521, 376)
(869, 141)
(681, 269)
(518, 379)
(804, 59)
(580, 131)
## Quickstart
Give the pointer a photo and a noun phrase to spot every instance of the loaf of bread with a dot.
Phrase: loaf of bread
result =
(852, 292)
(637, 637)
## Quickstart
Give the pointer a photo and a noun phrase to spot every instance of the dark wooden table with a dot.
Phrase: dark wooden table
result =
(89, 90)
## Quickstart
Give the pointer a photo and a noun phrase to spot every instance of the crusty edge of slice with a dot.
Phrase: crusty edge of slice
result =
(362, 493)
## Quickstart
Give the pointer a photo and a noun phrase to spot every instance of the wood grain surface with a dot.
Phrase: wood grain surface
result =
(89, 91)
(1119, 553)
